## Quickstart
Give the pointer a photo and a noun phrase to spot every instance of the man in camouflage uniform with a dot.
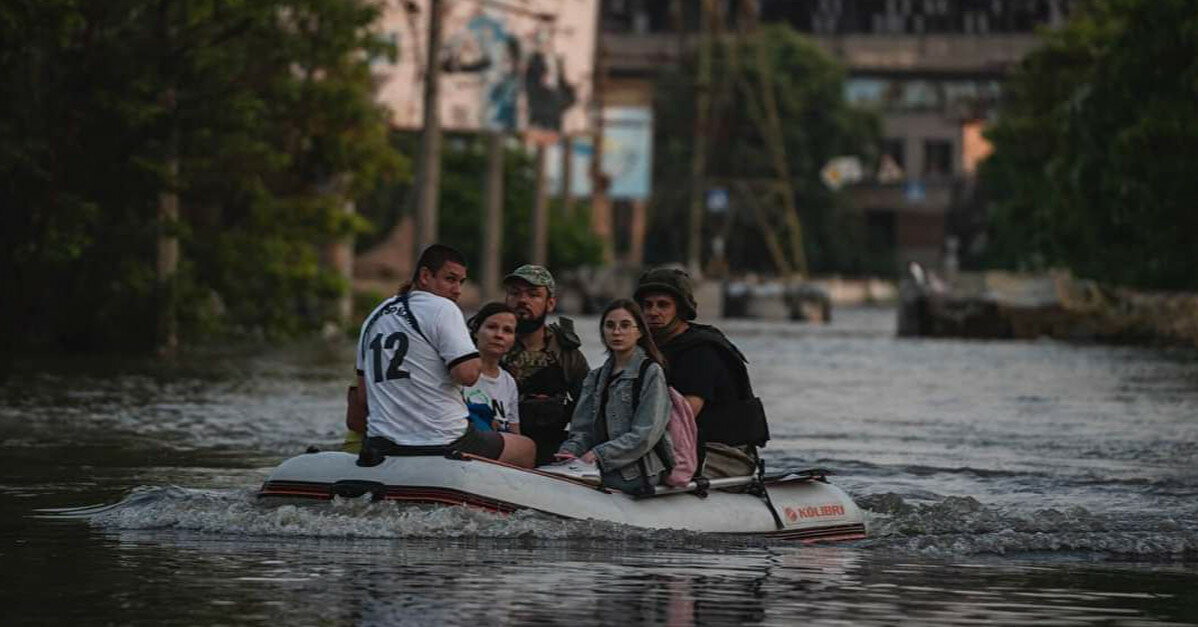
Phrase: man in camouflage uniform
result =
(544, 361)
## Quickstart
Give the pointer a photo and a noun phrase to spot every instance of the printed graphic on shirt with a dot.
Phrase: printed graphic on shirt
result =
(499, 394)
(480, 397)
(405, 353)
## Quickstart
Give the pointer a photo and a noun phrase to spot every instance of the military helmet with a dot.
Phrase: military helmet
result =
(674, 282)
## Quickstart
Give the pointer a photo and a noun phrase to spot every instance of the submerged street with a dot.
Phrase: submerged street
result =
(1019, 481)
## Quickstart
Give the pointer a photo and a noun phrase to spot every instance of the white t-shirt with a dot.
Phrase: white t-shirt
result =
(411, 396)
(498, 393)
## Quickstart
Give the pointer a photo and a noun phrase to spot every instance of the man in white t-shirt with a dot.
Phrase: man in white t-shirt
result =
(414, 355)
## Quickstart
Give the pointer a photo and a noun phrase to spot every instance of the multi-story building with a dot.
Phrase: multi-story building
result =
(932, 68)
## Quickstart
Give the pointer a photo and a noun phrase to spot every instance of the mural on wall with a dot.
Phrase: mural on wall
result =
(506, 65)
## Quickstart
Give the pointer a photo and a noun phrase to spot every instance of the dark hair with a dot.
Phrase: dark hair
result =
(646, 340)
(435, 257)
(490, 309)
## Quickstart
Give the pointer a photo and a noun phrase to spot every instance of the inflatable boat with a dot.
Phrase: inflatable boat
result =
(793, 505)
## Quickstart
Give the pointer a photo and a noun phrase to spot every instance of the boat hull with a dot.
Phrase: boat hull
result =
(808, 509)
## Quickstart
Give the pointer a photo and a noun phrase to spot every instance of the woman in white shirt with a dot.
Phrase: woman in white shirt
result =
(495, 393)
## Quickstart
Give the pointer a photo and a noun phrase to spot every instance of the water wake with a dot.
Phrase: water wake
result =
(957, 526)
(240, 513)
(951, 526)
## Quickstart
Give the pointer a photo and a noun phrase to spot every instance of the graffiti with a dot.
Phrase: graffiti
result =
(513, 66)
(486, 48)
(548, 92)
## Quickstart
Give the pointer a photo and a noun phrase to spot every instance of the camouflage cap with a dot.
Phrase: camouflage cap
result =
(533, 275)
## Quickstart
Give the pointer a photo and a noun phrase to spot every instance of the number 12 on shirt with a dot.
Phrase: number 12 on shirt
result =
(376, 347)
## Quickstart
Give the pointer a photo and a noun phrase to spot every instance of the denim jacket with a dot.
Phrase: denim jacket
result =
(631, 437)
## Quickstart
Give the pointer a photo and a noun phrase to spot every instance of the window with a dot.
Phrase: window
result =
(896, 149)
(826, 17)
(937, 157)
(865, 91)
(922, 95)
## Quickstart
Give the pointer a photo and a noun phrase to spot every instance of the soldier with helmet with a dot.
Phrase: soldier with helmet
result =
(706, 368)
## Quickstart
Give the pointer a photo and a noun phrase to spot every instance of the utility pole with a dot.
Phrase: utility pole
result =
(341, 258)
(493, 224)
(429, 181)
(702, 127)
(167, 339)
(339, 254)
(600, 208)
(636, 234)
(567, 175)
(168, 243)
(540, 213)
(762, 106)
(770, 125)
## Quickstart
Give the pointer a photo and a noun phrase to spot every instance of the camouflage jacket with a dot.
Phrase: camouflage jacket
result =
(561, 350)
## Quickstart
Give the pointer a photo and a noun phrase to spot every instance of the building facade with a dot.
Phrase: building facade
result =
(933, 69)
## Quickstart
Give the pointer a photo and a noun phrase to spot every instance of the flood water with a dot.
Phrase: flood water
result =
(1011, 482)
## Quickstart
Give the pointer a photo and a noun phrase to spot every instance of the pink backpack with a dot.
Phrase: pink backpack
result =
(685, 436)
(683, 433)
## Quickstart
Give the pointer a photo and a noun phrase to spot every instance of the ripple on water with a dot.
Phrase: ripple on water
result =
(957, 526)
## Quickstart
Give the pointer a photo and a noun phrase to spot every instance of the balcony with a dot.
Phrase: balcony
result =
(993, 54)
(931, 196)
(953, 54)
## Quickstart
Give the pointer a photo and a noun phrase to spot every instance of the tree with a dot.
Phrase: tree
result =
(265, 106)
(814, 123)
(1095, 165)
(571, 242)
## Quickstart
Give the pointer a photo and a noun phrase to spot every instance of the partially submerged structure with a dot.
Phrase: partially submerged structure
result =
(1004, 305)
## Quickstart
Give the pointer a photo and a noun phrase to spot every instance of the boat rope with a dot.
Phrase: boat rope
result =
(760, 490)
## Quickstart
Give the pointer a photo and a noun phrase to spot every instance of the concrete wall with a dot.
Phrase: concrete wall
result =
(917, 128)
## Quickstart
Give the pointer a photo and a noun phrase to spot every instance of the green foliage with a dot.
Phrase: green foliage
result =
(463, 187)
(1096, 149)
(817, 124)
(265, 105)
(572, 243)
(364, 302)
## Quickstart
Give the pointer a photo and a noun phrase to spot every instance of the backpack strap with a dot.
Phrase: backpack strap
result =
(637, 386)
(371, 321)
(560, 360)
(639, 383)
(660, 447)
(601, 433)
(602, 388)
(410, 317)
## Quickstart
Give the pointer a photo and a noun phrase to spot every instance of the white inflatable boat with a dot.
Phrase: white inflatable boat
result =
(799, 505)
